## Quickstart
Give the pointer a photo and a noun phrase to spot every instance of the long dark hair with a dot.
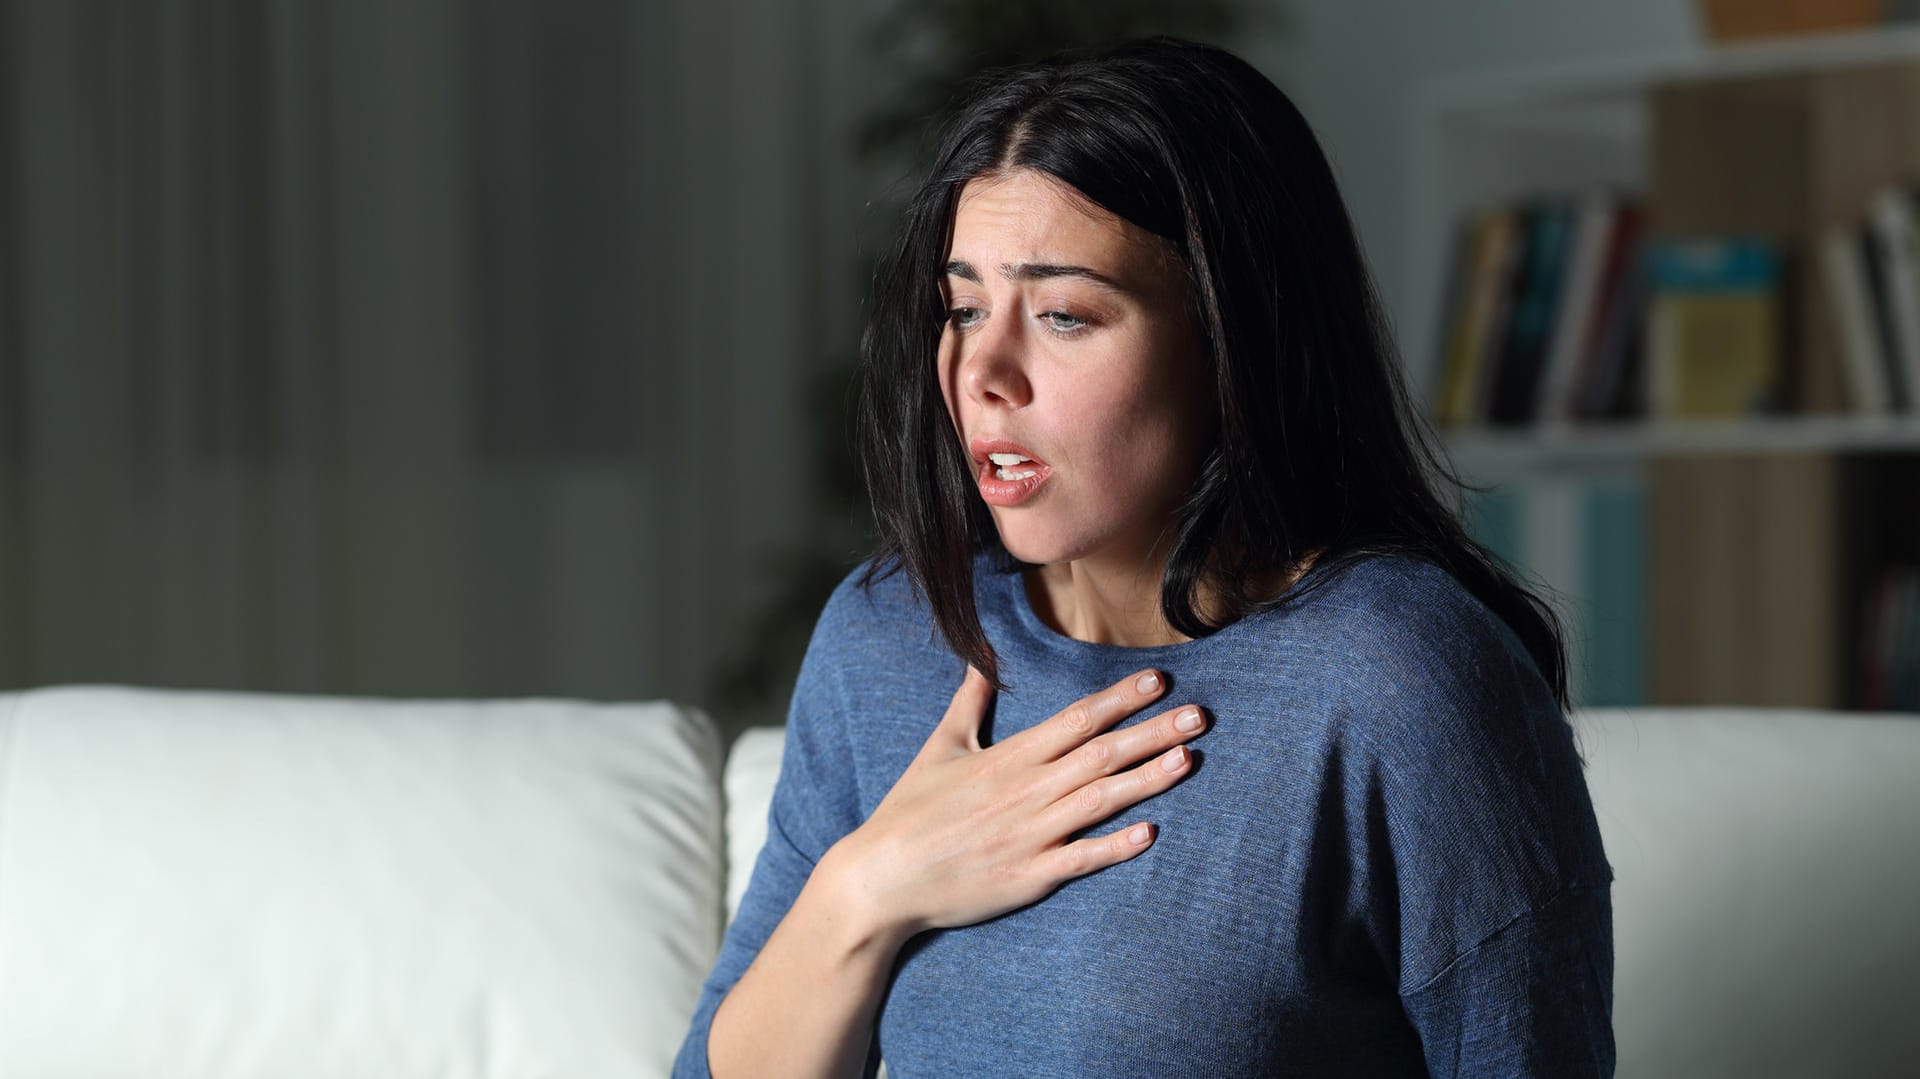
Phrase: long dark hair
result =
(1320, 448)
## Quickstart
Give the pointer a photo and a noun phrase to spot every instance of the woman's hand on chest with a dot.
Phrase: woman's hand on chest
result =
(968, 833)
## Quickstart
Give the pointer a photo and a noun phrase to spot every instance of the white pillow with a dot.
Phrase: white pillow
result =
(217, 885)
(1766, 873)
(753, 766)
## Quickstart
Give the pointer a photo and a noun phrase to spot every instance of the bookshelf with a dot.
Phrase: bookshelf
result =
(1495, 454)
(1730, 561)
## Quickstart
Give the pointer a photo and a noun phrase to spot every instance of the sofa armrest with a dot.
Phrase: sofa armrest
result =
(227, 884)
(753, 766)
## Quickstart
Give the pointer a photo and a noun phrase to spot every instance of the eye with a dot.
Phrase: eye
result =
(957, 316)
(1071, 323)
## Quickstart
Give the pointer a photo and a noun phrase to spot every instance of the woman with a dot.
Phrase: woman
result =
(1136, 443)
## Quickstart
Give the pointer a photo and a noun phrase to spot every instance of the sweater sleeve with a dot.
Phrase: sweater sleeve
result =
(1535, 999)
(814, 804)
(1487, 877)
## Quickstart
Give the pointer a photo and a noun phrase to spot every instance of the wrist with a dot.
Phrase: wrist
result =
(845, 888)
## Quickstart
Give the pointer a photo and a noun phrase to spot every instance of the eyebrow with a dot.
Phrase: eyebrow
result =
(1036, 271)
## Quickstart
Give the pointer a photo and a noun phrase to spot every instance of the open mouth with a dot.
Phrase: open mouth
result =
(1008, 459)
(1007, 466)
(1007, 472)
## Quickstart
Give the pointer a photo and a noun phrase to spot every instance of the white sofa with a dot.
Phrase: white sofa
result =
(214, 885)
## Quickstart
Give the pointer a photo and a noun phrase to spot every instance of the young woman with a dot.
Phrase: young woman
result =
(1137, 443)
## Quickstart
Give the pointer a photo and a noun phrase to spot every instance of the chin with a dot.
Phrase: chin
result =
(1039, 550)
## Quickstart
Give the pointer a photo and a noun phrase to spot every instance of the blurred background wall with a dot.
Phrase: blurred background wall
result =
(413, 348)
(502, 349)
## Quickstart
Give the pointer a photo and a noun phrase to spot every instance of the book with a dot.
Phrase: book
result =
(1615, 628)
(1880, 640)
(1582, 297)
(1891, 650)
(1452, 310)
(1881, 305)
(1495, 238)
(1461, 308)
(1890, 228)
(1713, 336)
(1905, 693)
(1845, 274)
(1620, 296)
(1498, 344)
(1580, 543)
(1606, 391)
(1536, 301)
(1729, 21)
(1492, 518)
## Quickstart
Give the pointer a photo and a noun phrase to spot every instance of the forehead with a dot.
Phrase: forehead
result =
(1027, 215)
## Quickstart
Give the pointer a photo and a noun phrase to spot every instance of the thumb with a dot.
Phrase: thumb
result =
(968, 708)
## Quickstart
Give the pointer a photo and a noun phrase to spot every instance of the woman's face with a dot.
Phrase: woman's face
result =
(1069, 343)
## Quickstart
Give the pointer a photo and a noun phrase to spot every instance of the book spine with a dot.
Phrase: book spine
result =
(1493, 256)
(1539, 300)
(1877, 644)
(1867, 242)
(1614, 356)
(1892, 225)
(1455, 308)
(1856, 334)
(1623, 251)
(1907, 653)
(1579, 308)
(1713, 338)
(1499, 341)
(1615, 575)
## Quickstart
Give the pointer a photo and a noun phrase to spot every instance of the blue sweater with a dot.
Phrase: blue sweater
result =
(1384, 861)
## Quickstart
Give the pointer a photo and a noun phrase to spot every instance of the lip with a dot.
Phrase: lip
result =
(996, 491)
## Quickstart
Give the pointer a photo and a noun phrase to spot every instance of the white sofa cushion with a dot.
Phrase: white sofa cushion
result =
(223, 885)
(753, 765)
(1766, 865)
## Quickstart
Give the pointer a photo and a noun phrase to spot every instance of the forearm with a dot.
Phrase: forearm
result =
(806, 1005)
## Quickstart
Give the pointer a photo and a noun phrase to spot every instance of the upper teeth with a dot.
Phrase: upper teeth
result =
(1004, 459)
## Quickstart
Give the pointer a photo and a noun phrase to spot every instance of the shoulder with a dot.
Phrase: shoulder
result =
(872, 601)
(1404, 625)
(1428, 674)
(870, 620)
(876, 661)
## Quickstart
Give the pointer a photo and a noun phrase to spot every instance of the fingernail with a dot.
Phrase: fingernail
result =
(1175, 759)
(1188, 721)
(1138, 834)
(1148, 682)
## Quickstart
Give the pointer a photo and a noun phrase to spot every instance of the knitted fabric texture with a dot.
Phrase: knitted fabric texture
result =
(1384, 861)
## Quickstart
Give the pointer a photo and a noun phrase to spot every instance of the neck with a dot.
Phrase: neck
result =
(1120, 604)
(1103, 604)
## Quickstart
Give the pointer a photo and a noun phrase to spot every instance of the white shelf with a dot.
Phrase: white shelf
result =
(1500, 136)
(1498, 453)
(1623, 78)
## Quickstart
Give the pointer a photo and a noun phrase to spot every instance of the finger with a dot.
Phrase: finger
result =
(1102, 798)
(961, 724)
(1068, 728)
(1107, 754)
(1083, 856)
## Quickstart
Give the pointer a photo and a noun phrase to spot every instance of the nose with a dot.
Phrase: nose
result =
(993, 365)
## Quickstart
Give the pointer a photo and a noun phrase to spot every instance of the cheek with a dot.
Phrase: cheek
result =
(1145, 442)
